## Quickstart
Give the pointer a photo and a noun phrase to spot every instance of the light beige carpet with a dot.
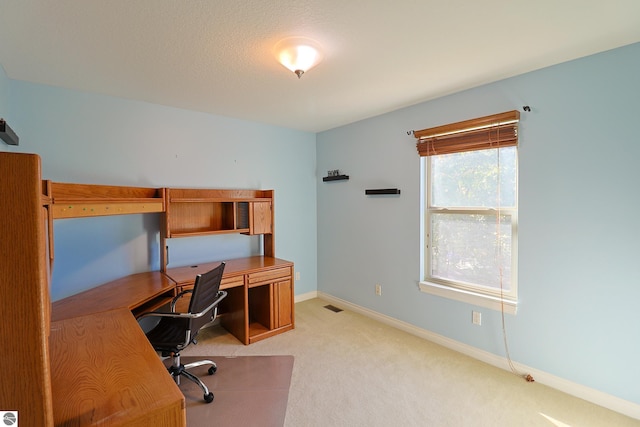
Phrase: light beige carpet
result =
(352, 371)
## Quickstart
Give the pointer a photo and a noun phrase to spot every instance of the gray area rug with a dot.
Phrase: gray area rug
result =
(249, 391)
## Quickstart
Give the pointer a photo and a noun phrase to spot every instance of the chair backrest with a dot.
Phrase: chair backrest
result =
(204, 294)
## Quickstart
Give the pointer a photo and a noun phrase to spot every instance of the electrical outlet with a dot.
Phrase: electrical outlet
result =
(378, 289)
(297, 275)
(476, 318)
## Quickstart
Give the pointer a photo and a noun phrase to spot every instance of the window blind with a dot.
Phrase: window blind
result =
(475, 134)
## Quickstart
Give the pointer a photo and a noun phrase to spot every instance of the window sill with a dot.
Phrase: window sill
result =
(491, 302)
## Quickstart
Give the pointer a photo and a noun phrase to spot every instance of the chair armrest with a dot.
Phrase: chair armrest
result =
(221, 295)
(165, 314)
(175, 299)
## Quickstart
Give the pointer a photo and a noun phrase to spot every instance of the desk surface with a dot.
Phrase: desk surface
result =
(103, 372)
(134, 291)
(233, 267)
(128, 292)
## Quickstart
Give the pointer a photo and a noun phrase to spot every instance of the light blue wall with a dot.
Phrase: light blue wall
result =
(579, 274)
(90, 138)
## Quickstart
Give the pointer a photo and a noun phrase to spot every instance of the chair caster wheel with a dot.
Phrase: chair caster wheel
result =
(208, 397)
(212, 370)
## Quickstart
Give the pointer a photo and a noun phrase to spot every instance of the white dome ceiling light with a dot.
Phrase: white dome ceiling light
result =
(298, 54)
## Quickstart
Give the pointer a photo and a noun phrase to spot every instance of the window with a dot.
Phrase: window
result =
(471, 211)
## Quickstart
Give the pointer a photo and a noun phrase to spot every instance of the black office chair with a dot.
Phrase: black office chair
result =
(175, 331)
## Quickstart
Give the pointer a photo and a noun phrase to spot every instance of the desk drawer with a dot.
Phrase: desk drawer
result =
(232, 282)
(269, 276)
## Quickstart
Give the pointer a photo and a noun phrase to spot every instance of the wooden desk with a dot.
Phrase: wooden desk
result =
(103, 372)
(259, 304)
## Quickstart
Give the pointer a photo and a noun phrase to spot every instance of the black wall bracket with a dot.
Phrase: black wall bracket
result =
(335, 178)
(7, 134)
(380, 191)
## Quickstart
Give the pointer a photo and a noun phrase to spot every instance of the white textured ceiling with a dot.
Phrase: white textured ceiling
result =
(379, 55)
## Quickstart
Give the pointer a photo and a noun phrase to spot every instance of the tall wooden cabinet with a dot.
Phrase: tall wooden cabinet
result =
(24, 291)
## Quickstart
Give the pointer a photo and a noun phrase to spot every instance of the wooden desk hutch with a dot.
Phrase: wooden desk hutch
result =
(61, 358)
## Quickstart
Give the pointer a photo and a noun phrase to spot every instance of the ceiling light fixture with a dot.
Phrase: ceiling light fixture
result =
(299, 54)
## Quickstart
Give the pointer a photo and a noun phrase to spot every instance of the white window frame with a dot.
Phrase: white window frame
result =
(505, 301)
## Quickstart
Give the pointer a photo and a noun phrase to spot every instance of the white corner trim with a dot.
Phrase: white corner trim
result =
(481, 300)
(597, 397)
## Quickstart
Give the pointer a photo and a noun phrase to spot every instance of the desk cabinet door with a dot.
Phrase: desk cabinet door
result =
(261, 218)
(283, 301)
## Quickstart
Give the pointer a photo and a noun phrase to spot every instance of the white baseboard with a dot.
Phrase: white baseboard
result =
(304, 297)
(605, 400)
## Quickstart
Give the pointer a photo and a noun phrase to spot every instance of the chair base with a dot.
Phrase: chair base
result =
(177, 370)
